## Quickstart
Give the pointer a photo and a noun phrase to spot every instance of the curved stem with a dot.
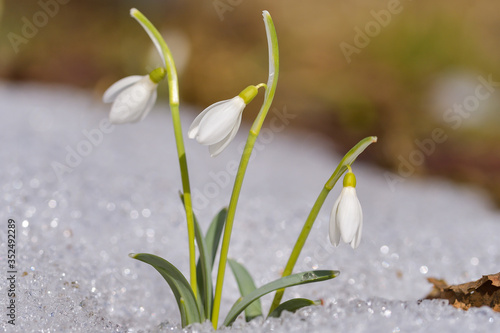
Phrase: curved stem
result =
(344, 165)
(173, 88)
(245, 158)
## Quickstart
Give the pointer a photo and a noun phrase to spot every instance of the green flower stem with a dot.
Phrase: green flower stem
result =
(245, 158)
(344, 165)
(173, 88)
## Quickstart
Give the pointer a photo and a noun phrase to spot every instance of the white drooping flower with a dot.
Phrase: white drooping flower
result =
(218, 124)
(133, 97)
(346, 220)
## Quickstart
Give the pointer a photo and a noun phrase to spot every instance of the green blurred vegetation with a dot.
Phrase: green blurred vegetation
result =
(400, 86)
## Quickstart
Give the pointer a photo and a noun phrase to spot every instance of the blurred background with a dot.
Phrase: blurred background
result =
(424, 76)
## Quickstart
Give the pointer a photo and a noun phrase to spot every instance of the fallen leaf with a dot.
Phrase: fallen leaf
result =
(485, 291)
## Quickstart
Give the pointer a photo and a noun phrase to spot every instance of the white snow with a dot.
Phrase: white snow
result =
(74, 232)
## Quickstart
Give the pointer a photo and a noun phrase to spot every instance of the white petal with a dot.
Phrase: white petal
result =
(122, 113)
(348, 214)
(193, 129)
(131, 103)
(357, 237)
(116, 88)
(149, 106)
(218, 147)
(334, 228)
(220, 121)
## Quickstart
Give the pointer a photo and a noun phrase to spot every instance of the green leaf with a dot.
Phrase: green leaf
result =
(203, 268)
(208, 249)
(203, 271)
(246, 286)
(292, 306)
(186, 301)
(214, 233)
(284, 282)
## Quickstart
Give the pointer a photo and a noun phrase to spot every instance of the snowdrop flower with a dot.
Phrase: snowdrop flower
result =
(217, 125)
(346, 220)
(133, 97)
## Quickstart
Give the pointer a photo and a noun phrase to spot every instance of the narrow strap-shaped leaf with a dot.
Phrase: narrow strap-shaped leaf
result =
(246, 286)
(204, 271)
(214, 233)
(293, 305)
(186, 301)
(284, 282)
(203, 268)
(208, 249)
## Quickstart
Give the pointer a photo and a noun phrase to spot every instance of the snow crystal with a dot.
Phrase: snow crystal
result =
(84, 194)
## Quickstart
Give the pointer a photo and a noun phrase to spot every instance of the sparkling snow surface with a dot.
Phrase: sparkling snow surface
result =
(74, 232)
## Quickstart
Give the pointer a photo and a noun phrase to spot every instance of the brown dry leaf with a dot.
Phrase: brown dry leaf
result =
(485, 291)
